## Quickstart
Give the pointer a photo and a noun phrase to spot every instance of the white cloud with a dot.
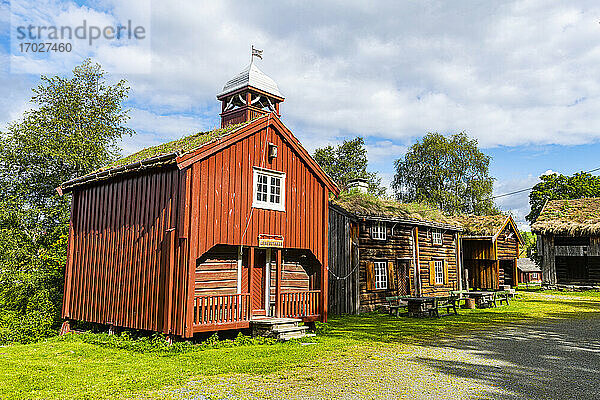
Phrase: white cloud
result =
(510, 73)
(516, 204)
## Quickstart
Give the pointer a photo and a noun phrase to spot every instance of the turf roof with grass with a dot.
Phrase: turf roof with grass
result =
(572, 217)
(481, 225)
(367, 205)
(180, 146)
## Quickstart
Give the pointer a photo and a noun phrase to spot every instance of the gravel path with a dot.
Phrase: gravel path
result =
(553, 360)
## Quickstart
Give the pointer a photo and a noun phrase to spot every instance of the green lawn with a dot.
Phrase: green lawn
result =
(537, 289)
(73, 369)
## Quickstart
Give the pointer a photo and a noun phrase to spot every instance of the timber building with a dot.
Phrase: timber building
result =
(529, 272)
(204, 233)
(569, 242)
(380, 248)
(490, 249)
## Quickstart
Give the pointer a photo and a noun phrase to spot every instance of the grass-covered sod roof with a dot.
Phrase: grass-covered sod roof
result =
(367, 205)
(481, 225)
(572, 217)
(180, 146)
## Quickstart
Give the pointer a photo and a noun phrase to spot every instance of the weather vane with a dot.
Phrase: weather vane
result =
(256, 53)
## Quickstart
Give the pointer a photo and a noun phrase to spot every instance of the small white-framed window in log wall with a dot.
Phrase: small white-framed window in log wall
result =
(439, 272)
(378, 231)
(437, 237)
(269, 189)
(381, 274)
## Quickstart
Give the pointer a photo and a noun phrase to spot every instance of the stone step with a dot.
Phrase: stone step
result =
(291, 329)
(291, 335)
(274, 321)
(278, 328)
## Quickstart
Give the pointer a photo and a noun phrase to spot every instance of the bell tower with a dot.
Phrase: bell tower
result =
(248, 95)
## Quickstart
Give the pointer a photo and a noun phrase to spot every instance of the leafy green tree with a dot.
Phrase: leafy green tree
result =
(557, 186)
(450, 173)
(348, 161)
(70, 131)
(529, 241)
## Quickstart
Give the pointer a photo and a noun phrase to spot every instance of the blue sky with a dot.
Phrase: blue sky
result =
(520, 76)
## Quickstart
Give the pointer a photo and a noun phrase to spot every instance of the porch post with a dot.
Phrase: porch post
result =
(459, 265)
(417, 271)
(278, 285)
(268, 282)
(251, 273)
(239, 270)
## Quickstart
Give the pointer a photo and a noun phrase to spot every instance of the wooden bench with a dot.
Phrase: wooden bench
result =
(446, 302)
(395, 304)
(501, 296)
(460, 295)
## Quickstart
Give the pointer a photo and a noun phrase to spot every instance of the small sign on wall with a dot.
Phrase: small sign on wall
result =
(270, 240)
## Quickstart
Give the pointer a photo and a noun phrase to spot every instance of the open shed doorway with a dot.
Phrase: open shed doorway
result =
(507, 268)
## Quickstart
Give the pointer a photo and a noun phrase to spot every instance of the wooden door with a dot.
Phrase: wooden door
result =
(402, 268)
(257, 282)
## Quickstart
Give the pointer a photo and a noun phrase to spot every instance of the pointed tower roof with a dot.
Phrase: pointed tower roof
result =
(254, 77)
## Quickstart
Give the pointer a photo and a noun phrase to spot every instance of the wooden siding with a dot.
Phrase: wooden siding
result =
(397, 251)
(222, 193)
(121, 268)
(507, 244)
(481, 258)
(398, 245)
(344, 293)
(216, 272)
(429, 252)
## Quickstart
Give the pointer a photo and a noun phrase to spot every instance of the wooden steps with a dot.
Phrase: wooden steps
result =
(278, 328)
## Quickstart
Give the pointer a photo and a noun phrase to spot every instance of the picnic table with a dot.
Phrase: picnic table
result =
(396, 303)
(423, 305)
(485, 299)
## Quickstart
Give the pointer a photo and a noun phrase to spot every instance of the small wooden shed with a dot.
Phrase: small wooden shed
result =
(206, 232)
(380, 248)
(490, 249)
(569, 242)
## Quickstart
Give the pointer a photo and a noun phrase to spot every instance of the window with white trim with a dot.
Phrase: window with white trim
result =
(436, 237)
(378, 230)
(439, 272)
(269, 189)
(380, 274)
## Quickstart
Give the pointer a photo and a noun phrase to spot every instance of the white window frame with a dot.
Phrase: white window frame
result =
(269, 173)
(439, 271)
(378, 231)
(437, 237)
(380, 275)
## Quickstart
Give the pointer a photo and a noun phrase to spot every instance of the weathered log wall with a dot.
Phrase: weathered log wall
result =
(344, 289)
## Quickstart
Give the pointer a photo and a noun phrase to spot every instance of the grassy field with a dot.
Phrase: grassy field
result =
(73, 369)
(537, 289)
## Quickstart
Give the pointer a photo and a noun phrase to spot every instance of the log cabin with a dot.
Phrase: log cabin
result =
(490, 249)
(380, 248)
(205, 233)
(569, 242)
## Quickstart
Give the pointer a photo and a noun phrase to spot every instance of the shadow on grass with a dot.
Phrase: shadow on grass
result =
(376, 327)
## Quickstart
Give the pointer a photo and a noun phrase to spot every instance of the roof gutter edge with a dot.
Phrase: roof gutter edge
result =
(106, 174)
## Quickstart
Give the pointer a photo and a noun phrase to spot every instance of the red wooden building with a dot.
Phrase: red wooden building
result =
(206, 232)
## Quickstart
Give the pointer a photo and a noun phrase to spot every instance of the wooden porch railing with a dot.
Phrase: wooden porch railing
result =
(221, 312)
(300, 304)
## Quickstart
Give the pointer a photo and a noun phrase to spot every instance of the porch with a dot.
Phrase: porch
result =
(222, 312)
(235, 284)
